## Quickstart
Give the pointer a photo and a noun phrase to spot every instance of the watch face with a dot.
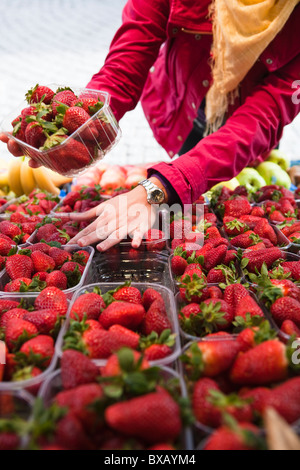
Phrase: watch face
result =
(157, 196)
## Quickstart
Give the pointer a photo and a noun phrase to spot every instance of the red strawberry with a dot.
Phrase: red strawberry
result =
(45, 231)
(5, 246)
(245, 240)
(42, 346)
(128, 294)
(264, 230)
(74, 118)
(286, 308)
(28, 227)
(19, 266)
(41, 275)
(178, 265)
(40, 93)
(119, 337)
(70, 434)
(17, 331)
(65, 97)
(215, 292)
(157, 351)
(122, 313)
(248, 306)
(234, 226)
(34, 135)
(81, 257)
(42, 262)
(216, 257)
(259, 257)
(257, 211)
(237, 207)
(180, 228)
(10, 229)
(18, 285)
(53, 298)
(44, 320)
(6, 304)
(214, 356)
(113, 367)
(290, 328)
(287, 288)
(57, 279)
(13, 313)
(155, 240)
(89, 304)
(59, 256)
(285, 400)
(9, 440)
(264, 364)
(243, 438)
(152, 417)
(293, 267)
(71, 198)
(155, 319)
(149, 296)
(29, 111)
(40, 247)
(77, 369)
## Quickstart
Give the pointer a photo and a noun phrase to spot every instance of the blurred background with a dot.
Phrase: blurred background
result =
(66, 42)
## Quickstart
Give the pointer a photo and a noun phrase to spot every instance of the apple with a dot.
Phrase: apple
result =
(274, 174)
(251, 179)
(231, 184)
(277, 156)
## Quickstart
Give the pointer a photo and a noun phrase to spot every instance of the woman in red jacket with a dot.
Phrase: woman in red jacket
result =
(228, 68)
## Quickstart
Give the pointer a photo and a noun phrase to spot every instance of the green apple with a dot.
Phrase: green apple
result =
(274, 174)
(251, 179)
(277, 156)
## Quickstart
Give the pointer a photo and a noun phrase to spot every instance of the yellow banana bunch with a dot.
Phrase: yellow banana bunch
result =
(22, 179)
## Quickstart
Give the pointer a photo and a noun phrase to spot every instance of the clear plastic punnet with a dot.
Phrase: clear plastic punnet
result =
(166, 294)
(77, 151)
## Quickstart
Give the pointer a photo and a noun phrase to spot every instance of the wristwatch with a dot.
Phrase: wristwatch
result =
(155, 195)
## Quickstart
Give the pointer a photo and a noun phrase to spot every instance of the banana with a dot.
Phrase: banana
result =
(27, 180)
(4, 178)
(57, 179)
(14, 177)
(43, 181)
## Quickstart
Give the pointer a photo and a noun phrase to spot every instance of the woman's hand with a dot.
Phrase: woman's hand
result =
(15, 149)
(127, 214)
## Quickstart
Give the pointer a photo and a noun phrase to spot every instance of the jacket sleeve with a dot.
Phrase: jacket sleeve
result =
(133, 51)
(253, 130)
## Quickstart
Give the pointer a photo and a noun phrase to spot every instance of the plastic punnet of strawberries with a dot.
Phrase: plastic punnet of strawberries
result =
(65, 130)
(43, 265)
(127, 404)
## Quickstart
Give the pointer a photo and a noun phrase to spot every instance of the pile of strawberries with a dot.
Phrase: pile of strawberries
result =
(29, 331)
(82, 200)
(41, 265)
(238, 377)
(49, 122)
(101, 324)
(38, 202)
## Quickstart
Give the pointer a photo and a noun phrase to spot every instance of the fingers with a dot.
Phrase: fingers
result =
(116, 237)
(90, 214)
(34, 164)
(4, 138)
(84, 233)
(137, 239)
(14, 148)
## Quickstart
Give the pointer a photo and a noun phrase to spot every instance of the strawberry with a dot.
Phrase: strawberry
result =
(119, 336)
(211, 357)
(40, 247)
(90, 340)
(213, 315)
(53, 298)
(42, 347)
(178, 265)
(152, 417)
(90, 104)
(276, 216)
(6, 305)
(34, 135)
(77, 369)
(149, 296)
(234, 293)
(28, 228)
(234, 226)
(192, 286)
(264, 230)
(248, 306)
(59, 256)
(259, 257)
(245, 240)
(57, 279)
(237, 207)
(10, 229)
(65, 97)
(71, 198)
(114, 367)
(209, 403)
(293, 267)
(45, 231)
(257, 211)
(128, 294)
(285, 400)
(285, 287)
(19, 266)
(5, 246)
(242, 437)
(156, 318)
(216, 257)
(9, 440)
(89, 304)
(26, 112)
(290, 328)
(286, 308)
(46, 321)
(71, 435)
(17, 331)
(215, 292)
(74, 118)
(72, 155)
(41, 275)
(180, 228)
(39, 93)
(13, 313)
(22, 284)
(265, 363)
(81, 257)
(42, 262)
(122, 313)
(157, 351)
(155, 240)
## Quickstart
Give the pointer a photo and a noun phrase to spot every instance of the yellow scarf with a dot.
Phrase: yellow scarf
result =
(242, 29)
